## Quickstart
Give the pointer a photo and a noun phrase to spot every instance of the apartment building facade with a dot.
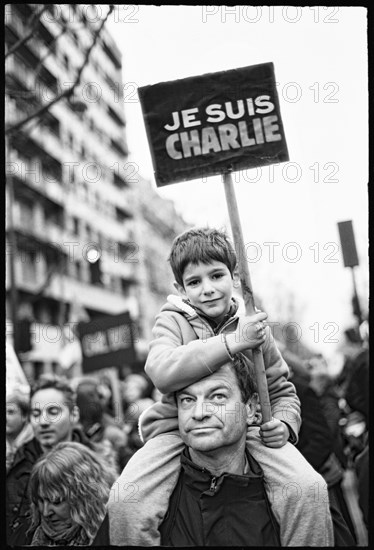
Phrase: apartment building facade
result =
(70, 186)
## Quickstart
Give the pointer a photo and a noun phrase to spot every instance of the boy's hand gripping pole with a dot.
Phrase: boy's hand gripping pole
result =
(245, 281)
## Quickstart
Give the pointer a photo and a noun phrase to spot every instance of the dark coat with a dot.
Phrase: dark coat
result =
(17, 481)
(17, 501)
(229, 510)
(315, 438)
(357, 392)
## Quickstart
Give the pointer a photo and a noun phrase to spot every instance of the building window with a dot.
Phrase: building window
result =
(121, 215)
(75, 226)
(28, 262)
(65, 61)
(125, 287)
(78, 270)
(74, 37)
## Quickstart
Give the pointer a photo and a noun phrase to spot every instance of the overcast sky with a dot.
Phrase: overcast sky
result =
(320, 60)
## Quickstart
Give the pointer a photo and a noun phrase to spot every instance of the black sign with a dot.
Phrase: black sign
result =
(347, 240)
(205, 125)
(107, 342)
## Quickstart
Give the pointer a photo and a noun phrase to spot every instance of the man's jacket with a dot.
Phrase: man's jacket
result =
(186, 348)
(229, 510)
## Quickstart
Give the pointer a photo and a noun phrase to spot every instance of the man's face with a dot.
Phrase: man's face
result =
(208, 287)
(51, 418)
(211, 412)
(15, 420)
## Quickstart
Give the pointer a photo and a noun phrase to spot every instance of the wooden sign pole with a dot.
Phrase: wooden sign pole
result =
(245, 281)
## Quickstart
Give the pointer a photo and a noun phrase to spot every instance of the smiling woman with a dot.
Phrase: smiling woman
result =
(69, 488)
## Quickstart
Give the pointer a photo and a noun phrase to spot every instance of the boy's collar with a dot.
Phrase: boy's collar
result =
(216, 326)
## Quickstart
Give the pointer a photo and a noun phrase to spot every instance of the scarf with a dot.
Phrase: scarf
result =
(69, 536)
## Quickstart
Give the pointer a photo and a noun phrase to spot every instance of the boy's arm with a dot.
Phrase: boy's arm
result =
(285, 403)
(172, 365)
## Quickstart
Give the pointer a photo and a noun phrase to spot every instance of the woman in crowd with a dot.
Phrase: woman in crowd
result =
(69, 488)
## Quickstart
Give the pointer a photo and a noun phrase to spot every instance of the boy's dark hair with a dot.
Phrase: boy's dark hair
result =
(47, 381)
(200, 245)
(245, 375)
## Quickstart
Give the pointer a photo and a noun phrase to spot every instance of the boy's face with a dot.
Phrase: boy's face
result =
(208, 287)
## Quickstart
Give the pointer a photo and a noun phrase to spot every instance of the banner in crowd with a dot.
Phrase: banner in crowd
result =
(208, 124)
(107, 342)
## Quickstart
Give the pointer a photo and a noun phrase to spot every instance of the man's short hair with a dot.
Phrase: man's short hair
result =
(245, 376)
(60, 383)
(201, 245)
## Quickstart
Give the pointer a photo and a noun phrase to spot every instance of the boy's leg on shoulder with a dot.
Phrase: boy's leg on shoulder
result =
(298, 494)
(139, 498)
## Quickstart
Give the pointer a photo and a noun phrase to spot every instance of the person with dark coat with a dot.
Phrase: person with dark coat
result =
(54, 417)
(316, 443)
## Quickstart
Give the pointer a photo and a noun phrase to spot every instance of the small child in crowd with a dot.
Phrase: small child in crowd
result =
(194, 335)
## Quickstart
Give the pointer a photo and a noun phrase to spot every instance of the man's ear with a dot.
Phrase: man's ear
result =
(180, 289)
(253, 408)
(235, 277)
(74, 415)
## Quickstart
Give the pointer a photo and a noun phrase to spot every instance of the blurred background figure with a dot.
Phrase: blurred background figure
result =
(69, 487)
(106, 397)
(136, 394)
(357, 427)
(18, 428)
(319, 439)
(134, 387)
(330, 401)
(100, 427)
(357, 386)
(134, 442)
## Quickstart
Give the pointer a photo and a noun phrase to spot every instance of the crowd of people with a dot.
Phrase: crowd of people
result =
(65, 447)
(191, 468)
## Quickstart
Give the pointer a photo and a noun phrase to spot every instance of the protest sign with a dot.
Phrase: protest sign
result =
(107, 341)
(205, 125)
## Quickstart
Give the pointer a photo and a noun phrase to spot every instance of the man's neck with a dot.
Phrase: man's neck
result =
(219, 461)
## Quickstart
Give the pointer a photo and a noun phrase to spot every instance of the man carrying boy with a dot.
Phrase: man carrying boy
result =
(220, 498)
(194, 336)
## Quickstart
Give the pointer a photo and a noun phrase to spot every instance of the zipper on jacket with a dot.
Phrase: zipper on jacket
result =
(227, 324)
(213, 485)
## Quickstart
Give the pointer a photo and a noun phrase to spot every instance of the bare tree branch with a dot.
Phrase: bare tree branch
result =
(34, 23)
(67, 93)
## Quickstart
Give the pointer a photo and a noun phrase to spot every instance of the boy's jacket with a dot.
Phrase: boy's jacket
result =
(185, 348)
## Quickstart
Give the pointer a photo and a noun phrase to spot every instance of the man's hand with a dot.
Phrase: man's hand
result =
(274, 433)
